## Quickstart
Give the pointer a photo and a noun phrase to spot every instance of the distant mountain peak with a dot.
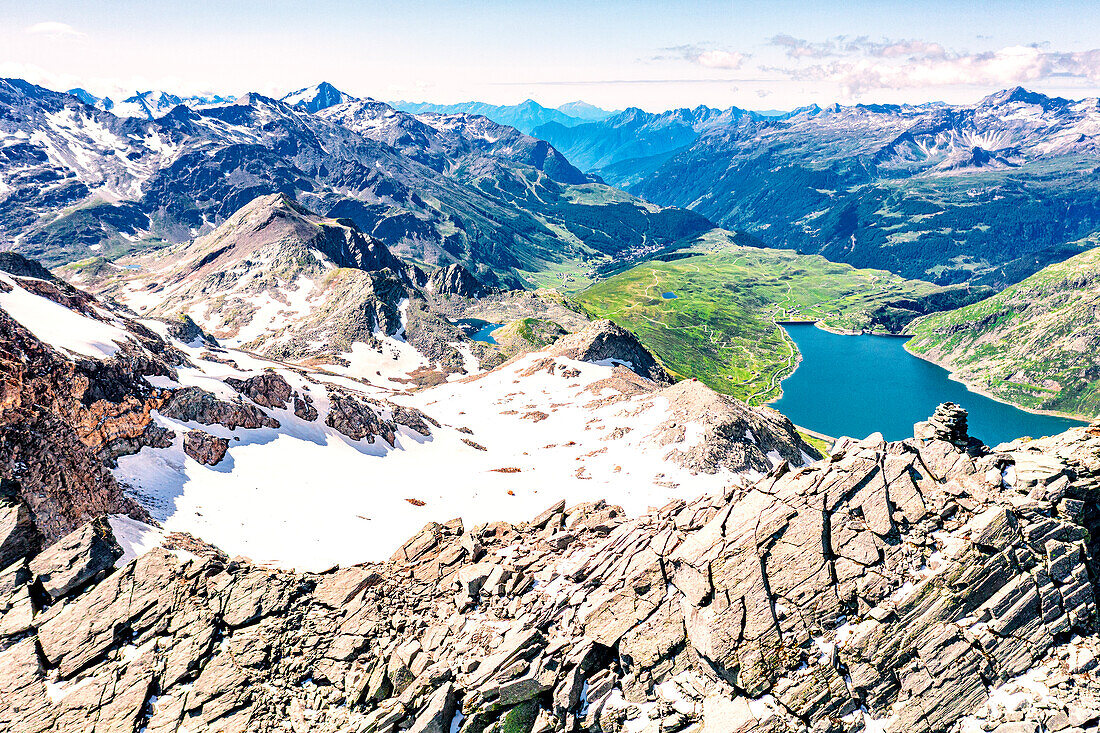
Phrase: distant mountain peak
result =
(1019, 95)
(585, 111)
(317, 97)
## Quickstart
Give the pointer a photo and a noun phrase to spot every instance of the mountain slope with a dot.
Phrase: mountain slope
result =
(1036, 344)
(985, 193)
(165, 422)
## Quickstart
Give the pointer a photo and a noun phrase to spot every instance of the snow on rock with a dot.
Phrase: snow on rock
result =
(511, 441)
(57, 325)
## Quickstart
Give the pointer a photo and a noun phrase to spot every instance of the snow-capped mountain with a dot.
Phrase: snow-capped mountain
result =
(149, 104)
(525, 116)
(452, 139)
(991, 191)
(154, 104)
(317, 97)
(73, 177)
(584, 111)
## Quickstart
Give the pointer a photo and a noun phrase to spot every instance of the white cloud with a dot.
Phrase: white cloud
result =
(837, 46)
(53, 29)
(859, 65)
(720, 59)
(703, 55)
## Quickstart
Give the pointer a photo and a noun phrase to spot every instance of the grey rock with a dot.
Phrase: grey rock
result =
(19, 537)
(76, 559)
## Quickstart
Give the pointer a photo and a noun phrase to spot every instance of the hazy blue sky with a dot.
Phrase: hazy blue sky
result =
(656, 55)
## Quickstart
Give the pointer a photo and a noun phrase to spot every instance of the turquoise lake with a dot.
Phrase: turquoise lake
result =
(857, 385)
(478, 329)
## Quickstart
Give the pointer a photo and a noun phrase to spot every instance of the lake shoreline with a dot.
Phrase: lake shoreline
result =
(876, 384)
(952, 375)
(985, 393)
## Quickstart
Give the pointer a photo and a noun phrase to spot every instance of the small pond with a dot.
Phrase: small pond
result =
(477, 329)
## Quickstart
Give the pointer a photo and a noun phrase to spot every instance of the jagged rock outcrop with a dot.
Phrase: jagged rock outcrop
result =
(267, 390)
(64, 417)
(193, 404)
(205, 448)
(271, 389)
(75, 560)
(364, 418)
(891, 587)
(186, 330)
(604, 341)
(454, 279)
(18, 535)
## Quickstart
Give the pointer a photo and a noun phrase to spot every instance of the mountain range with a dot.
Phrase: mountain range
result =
(901, 188)
(78, 181)
(987, 193)
(525, 116)
(149, 104)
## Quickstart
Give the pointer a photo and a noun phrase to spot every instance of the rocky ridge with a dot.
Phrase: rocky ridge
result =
(907, 586)
(284, 282)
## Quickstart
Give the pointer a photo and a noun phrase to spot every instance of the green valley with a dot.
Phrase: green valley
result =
(710, 311)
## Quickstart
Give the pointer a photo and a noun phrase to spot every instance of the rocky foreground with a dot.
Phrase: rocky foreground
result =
(924, 585)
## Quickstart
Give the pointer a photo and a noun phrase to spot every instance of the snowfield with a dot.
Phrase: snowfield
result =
(308, 497)
(59, 326)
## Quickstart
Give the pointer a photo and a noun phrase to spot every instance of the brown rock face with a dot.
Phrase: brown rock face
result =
(272, 390)
(63, 420)
(204, 447)
(363, 418)
(267, 390)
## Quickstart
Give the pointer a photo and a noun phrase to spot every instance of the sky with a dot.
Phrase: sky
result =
(767, 54)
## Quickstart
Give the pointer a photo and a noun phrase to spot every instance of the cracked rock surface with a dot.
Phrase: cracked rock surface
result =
(902, 587)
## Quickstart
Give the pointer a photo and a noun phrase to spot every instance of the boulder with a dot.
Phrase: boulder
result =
(19, 537)
(437, 714)
(204, 447)
(76, 559)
